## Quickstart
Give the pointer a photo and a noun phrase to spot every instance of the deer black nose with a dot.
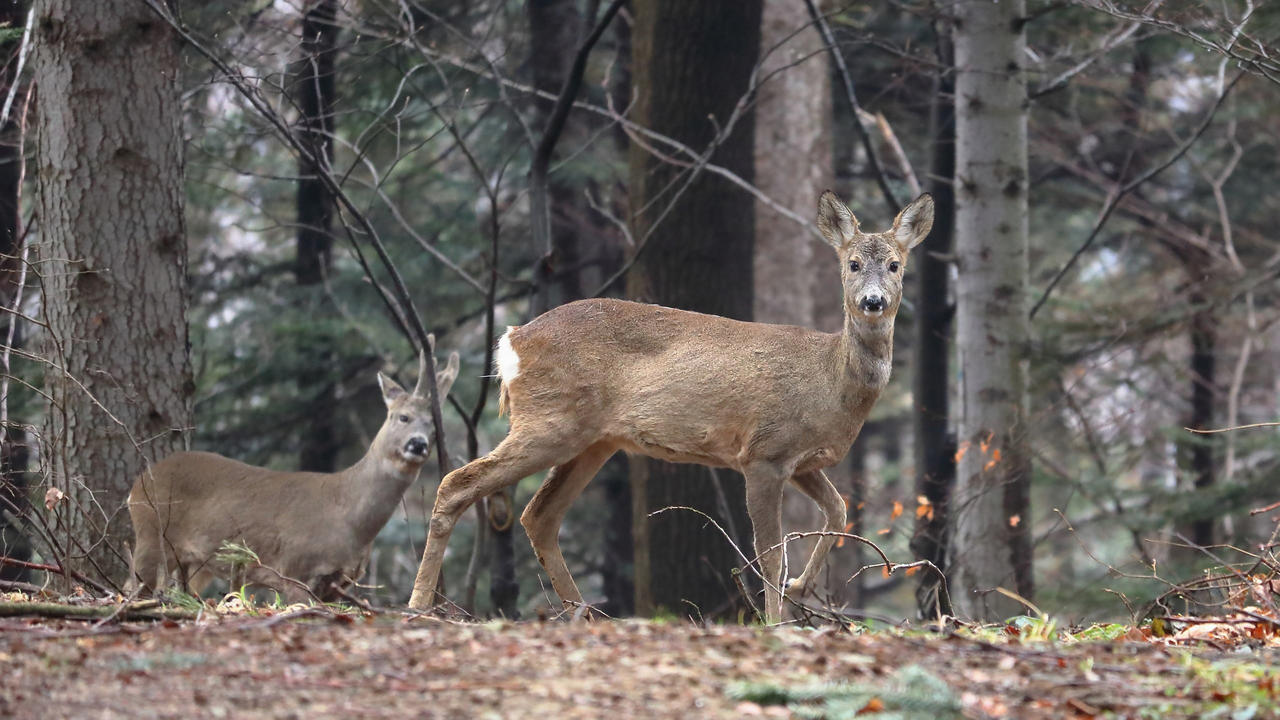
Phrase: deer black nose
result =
(416, 445)
(873, 303)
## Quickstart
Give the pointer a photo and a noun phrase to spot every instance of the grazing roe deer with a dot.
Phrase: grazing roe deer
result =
(307, 529)
(774, 402)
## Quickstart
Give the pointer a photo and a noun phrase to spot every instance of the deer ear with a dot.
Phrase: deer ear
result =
(391, 390)
(835, 221)
(914, 222)
(445, 378)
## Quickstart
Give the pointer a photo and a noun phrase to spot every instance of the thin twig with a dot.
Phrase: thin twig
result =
(873, 160)
(1232, 429)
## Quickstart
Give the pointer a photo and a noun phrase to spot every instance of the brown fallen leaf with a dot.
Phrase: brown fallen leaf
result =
(52, 497)
(874, 705)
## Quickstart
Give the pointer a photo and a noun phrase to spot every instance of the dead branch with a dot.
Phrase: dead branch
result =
(19, 586)
(1232, 429)
(73, 574)
(146, 611)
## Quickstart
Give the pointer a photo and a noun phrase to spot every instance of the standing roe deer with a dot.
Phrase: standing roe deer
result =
(307, 528)
(775, 402)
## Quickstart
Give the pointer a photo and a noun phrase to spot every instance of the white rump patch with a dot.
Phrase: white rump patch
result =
(507, 360)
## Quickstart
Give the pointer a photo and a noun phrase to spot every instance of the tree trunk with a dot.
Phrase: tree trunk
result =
(618, 579)
(114, 262)
(931, 369)
(314, 93)
(793, 152)
(990, 545)
(699, 258)
(14, 455)
(1199, 449)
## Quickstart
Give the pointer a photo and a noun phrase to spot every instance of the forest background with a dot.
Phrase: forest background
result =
(357, 173)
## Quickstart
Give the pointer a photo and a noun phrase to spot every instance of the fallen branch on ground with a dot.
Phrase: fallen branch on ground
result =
(74, 575)
(136, 611)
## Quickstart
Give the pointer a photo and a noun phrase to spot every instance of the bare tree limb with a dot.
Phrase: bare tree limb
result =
(1118, 193)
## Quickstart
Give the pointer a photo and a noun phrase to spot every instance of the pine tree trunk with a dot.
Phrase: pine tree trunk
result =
(114, 262)
(989, 545)
(931, 368)
(699, 258)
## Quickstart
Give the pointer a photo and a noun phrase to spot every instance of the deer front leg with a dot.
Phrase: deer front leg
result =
(764, 506)
(515, 458)
(819, 489)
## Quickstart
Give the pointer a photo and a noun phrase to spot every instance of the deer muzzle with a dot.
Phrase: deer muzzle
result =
(416, 447)
(872, 304)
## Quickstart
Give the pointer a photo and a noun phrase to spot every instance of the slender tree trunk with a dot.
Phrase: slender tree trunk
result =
(1201, 364)
(114, 262)
(989, 545)
(618, 578)
(314, 89)
(794, 157)
(699, 258)
(14, 455)
(931, 369)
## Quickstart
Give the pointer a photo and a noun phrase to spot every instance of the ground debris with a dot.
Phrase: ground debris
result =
(308, 663)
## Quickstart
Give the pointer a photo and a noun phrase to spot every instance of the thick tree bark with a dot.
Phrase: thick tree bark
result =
(14, 454)
(114, 262)
(931, 369)
(795, 164)
(990, 545)
(314, 89)
(699, 258)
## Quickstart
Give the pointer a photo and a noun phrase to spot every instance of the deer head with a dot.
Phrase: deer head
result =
(871, 265)
(405, 437)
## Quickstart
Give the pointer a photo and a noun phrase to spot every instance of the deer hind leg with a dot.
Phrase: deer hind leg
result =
(544, 513)
(819, 489)
(764, 506)
(515, 458)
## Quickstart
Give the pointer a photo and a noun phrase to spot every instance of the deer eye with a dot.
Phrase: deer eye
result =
(404, 418)
(854, 266)
(893, 266)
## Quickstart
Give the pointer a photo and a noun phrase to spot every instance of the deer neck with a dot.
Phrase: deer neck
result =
(370, 490)
(866, 355)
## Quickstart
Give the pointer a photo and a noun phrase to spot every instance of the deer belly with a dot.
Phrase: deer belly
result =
(717, 448)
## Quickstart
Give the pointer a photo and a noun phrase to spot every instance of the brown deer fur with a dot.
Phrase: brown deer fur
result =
(307, 529)
(777, 403)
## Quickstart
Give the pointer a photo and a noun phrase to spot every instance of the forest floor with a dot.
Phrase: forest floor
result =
(318, 662)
